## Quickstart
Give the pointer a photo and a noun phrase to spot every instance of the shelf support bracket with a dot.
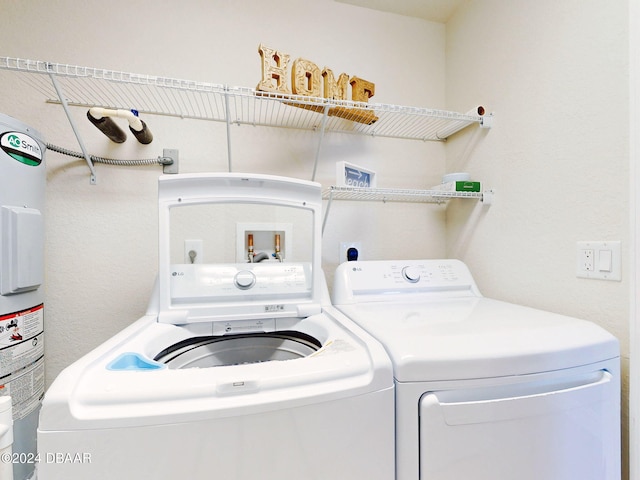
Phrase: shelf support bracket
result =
(326, 211)
(228, 121)
(323, 126)
(65, 106)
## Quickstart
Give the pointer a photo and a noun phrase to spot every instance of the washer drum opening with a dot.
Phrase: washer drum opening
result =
(227, 350)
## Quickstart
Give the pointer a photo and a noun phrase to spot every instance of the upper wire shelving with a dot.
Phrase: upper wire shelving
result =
(72, 85)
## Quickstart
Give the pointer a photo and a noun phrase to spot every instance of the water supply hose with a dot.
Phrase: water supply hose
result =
(259, 257)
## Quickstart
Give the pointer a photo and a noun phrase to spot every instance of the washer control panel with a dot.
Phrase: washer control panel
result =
(411, 274)
(401, 277)
(201, 283)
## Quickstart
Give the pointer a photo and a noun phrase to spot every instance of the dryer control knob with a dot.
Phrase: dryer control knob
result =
(411, 274)
(244, 279)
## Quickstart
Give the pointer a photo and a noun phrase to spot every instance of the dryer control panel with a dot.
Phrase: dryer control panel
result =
(359, 281)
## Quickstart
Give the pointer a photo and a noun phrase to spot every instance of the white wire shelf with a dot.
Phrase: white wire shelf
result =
(89, 87)
(395, 195)
(71, 85)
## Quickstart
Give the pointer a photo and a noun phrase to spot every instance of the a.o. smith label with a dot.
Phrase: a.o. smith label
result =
(21, 147)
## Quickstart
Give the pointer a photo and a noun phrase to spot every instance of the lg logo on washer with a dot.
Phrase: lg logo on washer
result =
(22, 148)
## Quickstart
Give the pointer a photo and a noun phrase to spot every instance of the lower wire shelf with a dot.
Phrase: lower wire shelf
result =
(397, 195)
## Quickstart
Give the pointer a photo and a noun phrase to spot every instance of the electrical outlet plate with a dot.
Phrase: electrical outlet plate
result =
(599, 260)
(171, 153)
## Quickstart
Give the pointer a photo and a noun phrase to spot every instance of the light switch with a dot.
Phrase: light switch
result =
(604, 260)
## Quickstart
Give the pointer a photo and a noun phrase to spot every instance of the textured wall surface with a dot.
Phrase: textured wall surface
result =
(102, 239)
(555, 73)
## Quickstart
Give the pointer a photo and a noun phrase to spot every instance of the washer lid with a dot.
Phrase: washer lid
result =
(238, 247)
(469, 338)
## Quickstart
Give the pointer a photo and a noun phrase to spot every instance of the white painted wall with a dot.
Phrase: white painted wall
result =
(102, 240)
(634, 261)
(555, 73)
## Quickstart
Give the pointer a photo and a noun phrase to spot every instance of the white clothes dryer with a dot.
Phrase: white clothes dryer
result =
(239, 370)
(486, 390)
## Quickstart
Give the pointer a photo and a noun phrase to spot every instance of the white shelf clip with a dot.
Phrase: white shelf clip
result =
(487, 197)
(487, 121)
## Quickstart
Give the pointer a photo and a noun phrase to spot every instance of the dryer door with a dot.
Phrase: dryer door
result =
(561, 431)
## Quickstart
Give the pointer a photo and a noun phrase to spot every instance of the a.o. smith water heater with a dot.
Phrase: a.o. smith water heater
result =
(22, 196)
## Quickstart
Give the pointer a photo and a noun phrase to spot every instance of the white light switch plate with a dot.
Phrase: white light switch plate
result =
(599, 260)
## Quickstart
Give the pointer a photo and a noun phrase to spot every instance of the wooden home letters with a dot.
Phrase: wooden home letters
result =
(308, 80)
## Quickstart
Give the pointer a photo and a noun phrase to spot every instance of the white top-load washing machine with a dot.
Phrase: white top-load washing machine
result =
(240, 369)
(486, 390)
